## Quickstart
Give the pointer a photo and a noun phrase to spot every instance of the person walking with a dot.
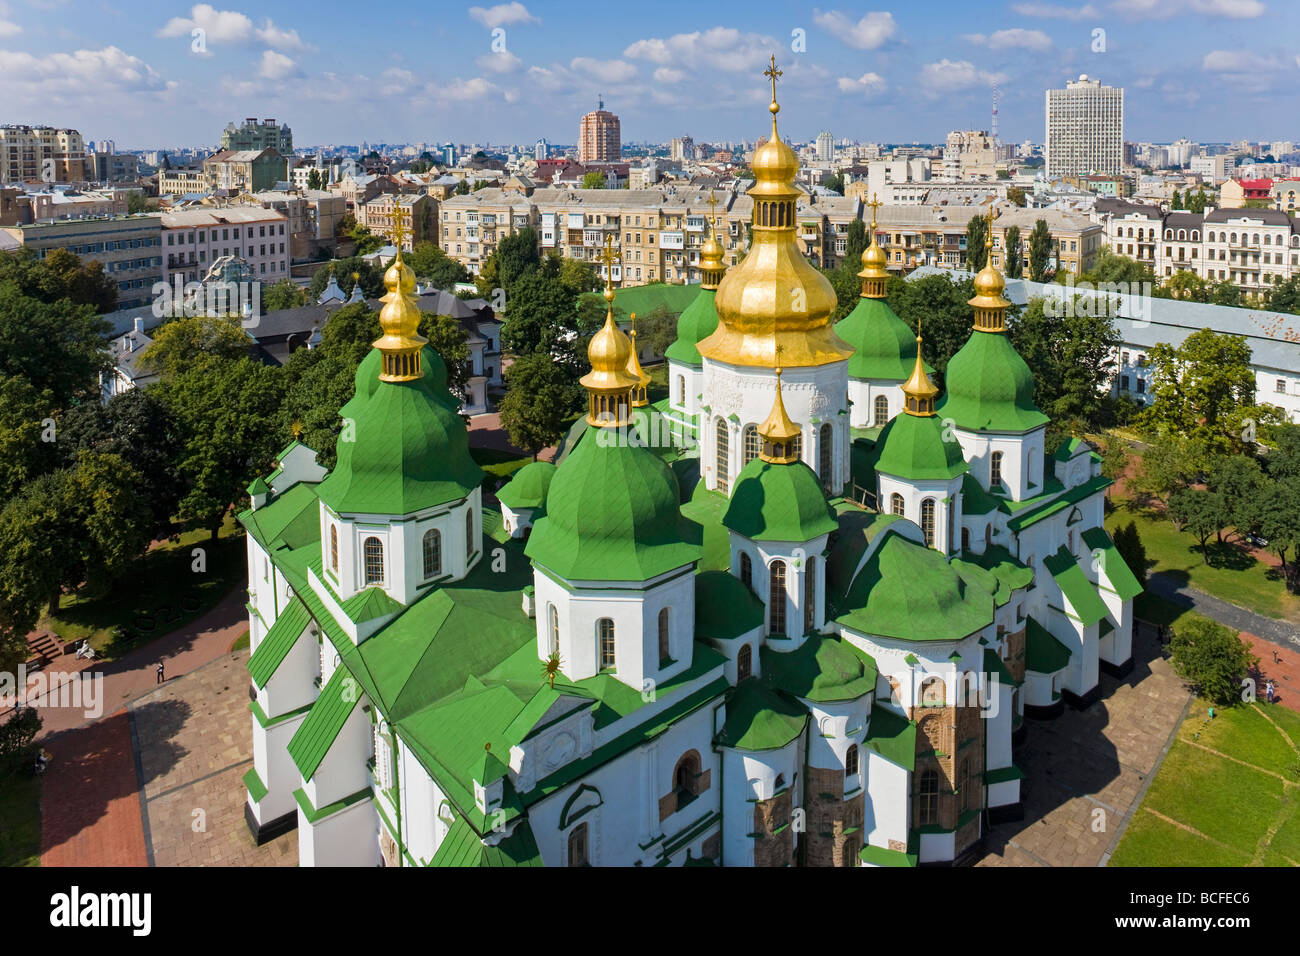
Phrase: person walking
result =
(1268, 689)
(159, 672)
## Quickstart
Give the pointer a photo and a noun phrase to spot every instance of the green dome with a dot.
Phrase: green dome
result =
(779, 503)
(884, 347)
(612, 515)
(759, 718)
(989, 387)
(527, 487)
(912, 447)
(410, 450)
(696, 323)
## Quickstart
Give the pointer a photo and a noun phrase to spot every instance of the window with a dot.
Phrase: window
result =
(896, 504)
(553, 622)
(681, 390)
(752, 443)
(1281, 386)
(882, 411)
(933, 692)
(744, 663)
(776, 597)
(995, 470)
(334, 548)
(965, 539)
(851, 761)
(928, 804)
(606, 630)
(578, 846)
(720, 461)
(469, 534)
(664, 656)
(374, 555)
(810, 596)
(826, 445)
(927, 521)
(746, 570)
(686, 779)
(432, 552)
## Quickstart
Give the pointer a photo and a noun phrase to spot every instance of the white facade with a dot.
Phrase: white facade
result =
(1085, 129)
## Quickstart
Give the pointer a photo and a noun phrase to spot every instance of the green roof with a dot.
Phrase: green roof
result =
(989, 387)
(697, 322)
(884, 347)
(463, 847)
(908, 591)
(315, 735)
(913, 447)
(1044, 654)
(644, 299)
(259, 487)
(724, 607)
(879, 856)
(291, 519)
(612, 514)
(782, 502)
(1003, 775)
(369, 604)
(1082, 593)
(527, 487)
(974, 499)
(994, 665)
(892, 736)
(759, 718)
(1113, 565)
(1046, 509)
(823, 668)
(410, 449)
(1009, 574)
(275, 645)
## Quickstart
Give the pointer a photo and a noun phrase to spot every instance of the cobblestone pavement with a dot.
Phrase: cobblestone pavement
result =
(1086, 770)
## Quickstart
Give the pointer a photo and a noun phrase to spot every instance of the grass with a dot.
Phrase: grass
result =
(1233, 797)
(1236, 575)
(161, 592)
(241, 642)
(20, 820)
(502, 464)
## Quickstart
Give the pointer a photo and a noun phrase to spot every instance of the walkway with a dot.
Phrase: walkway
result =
(1282, 633)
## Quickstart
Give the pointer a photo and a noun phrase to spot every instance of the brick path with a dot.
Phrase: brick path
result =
(1285, 673)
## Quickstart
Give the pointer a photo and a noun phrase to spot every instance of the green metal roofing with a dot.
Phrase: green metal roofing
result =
(369, 604)
(697, 322)
(275, 645)
(824, 668)
(879, 856)
(759, 718)
(884, 347)
(908, 591)
(290, 520)
(644, 299)
(974, 499)
(782, 502)
(1044, 654)
(724, 607)
(315, 735)
(259, 487)
(527, 487)
(989, 387)
(1003, 775)
(892, 736)
(1007, 570)
(612, 514)
(1082, 593)
(1048, 508)
(917, 447)
(410, 449)
(994, 665)
(463, 847)
(1113, 565)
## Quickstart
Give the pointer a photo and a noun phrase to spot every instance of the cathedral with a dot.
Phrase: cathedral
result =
(708, 652)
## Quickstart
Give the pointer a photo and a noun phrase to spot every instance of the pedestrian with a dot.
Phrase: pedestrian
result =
(160, 672)
(1268, 689)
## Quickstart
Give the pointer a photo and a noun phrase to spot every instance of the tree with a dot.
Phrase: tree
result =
(1177, 201)
(177, 343)
(1015, 257)
(855, 243)
(462, 188)
(25, 419)
(1197, 202)
(657, 330)
(1072, 358)
(847, 286)
(1202, 513)
(1285, 296)
(285, 294)
(1110, 266)
(1129, 545)
(540, 397)
(314, 180)
(57, 347)
(516, 255)
(1274, 515)
(943, 305)
(976, 254)
(138, 202)
(1237, 478)
(835, 183)
(1114, 459)
(1040, 250)
(372, 278)
(593, 180)
(1283, 459)
(1211, 658)
(428, 261)
(539, 313)
(1017, 195)
(1187, 286)
(578, 276)
(1169, 464)
(17, 751)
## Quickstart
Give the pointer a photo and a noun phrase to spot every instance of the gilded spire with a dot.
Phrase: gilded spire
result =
(779, 433)
(400, 317)
(711, 251)
(608, 384)
(990, 305)
(919, 392)
(635, 370)
(874, 275)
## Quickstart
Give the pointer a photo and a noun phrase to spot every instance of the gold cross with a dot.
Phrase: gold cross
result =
(779, 349)
(396, 216)
(609, 257)
(713, 201)
(773, 72)
(874, 204)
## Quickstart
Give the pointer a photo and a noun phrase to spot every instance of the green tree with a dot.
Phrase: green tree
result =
(516, 255)
(539, 312)
(428, 261)
(1285, 296)
(1169, 463)
(1072, 358)
(285, 294)
(1187, 286)
(1177, 201)
(1211, 658)
(1237, 478)
(1199, 512)
(1225, 293)
(847, 286)
(944, 307)
(657, 330)
(976, 254)
(593, 180)
(1110, 266)
(1129, 545)
(835, 183)
(1283, 459)
(57, 347)
(540, 398)
(855, 243)
(372, 278)
(1015, 257)
(25, 420)
(578, 276)
(1040, 251)
(137, 202)
(1017, 195)
(1114, 459)
(177, 343)
(462, 188)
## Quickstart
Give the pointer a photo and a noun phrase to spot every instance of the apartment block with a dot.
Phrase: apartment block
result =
(35, 154)
(419, 213)
(1085, 129)
(130, 248)
(255, 136)
(195, 238)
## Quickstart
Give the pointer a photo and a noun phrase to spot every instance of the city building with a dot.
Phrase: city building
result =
(1085, 129)
(43, 154)
(129, 247)
(245, 171)
(970, 156)
(182, 181)
(255, 137)
(419, 214)
(194, 239)
(681, 149)
(1076, 238)
(599, 138)
(825, 148)
(110, 167)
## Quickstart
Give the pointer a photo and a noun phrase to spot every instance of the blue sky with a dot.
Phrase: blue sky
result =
(342, 72)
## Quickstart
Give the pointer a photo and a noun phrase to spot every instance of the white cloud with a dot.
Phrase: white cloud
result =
(1050, 11)
(276, 66)
(872, 84)
(668, 75)
(89, 73)
(1240, 61)
(1016, 38)
(472, 89)
(230, 26)
(7, 27)
(948, 76)
(501, 62)
(396, 82)
(607, 71)
(1163, 9)
(718, 48)
(502, 15)
(869, 33)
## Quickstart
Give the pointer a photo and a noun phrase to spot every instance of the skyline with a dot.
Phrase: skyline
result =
(515, 72)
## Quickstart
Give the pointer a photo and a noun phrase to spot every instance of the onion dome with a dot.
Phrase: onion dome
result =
(528, 486)
(779, 433)
(634, 370)
(916, 445)
(608, 384)
(400, 318)
(874, 274)
(989, 302)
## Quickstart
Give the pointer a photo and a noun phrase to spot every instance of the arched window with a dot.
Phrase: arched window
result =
(553, 620)
(681, 390)
(810, 596)
(882, 411)
(663, 636)
(432, 552)
(927, 810)
(746, 570)
(606, 631)
(334, 548)
(578, 846)
(825, 448)
(851, 761)
(776, 598)
(927, 521)
(995, 470)
(744, 663)
(933, 692)
(753, 443)
(686, 779)
(965, 539)
(896, 504)
(374, 554)
(469, 534)
(720, 426)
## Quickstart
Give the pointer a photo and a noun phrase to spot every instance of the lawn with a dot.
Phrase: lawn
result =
(20, 820)
(502, 464)
(1235, 574)
(1232, 798)
(161, 592)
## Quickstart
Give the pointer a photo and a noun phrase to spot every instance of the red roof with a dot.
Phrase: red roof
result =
(1257, 186)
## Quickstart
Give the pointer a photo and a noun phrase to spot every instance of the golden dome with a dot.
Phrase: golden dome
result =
(712, 266)
(874, 274)
(778, 431)
(400, 320)
(634, 369)
(989, 302)
(919, 391)
(609, 353)
(710, 250)
(774, 296)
